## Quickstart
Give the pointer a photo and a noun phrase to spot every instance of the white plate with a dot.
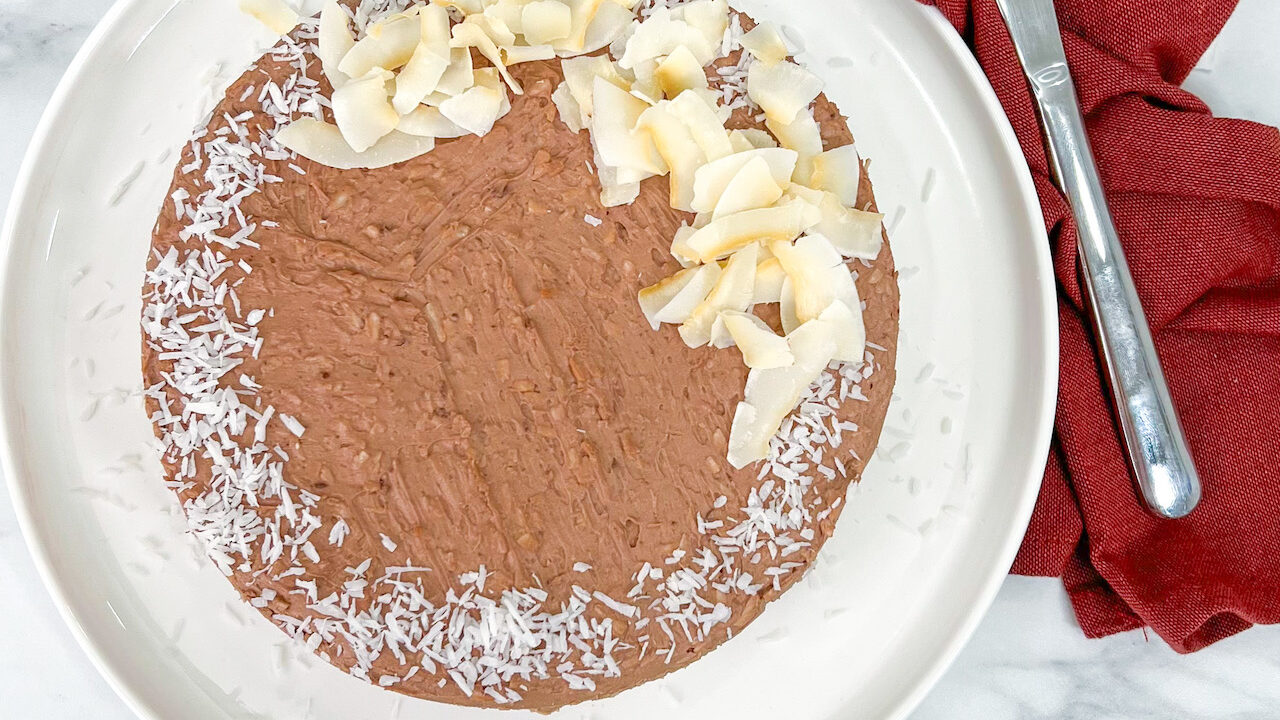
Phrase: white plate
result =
(920, 551)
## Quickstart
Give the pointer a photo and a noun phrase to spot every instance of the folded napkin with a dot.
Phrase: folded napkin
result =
(1196, 200)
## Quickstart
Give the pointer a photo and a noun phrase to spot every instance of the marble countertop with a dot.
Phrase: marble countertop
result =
(1027, 659)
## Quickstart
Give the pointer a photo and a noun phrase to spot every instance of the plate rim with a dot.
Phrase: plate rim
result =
(1030, 489)
(1027, 210)
(18, 199)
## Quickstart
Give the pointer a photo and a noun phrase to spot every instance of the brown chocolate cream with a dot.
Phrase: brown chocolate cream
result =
(460, 337)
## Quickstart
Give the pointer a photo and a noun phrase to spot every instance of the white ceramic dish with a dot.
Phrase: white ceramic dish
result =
(920, 550)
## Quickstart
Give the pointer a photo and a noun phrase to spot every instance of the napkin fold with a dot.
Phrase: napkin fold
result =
(1196, 201)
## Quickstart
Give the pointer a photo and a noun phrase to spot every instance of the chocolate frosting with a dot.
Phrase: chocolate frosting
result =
(478, 383)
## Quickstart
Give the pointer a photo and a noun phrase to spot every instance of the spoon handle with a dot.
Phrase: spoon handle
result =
(1153, 437)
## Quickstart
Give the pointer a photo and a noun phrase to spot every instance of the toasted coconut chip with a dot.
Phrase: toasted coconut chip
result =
(678, 149)
(609, 24)
(494, 27)
(458, 76)
(275, 14)
(679, 71)
(766, 44)
(771, 394)
(787, 306)
(323, 143)
(475, 109)
(387, 44)
(488, 77)
(733, 290)
(543, 21)
(752, 187)
(730, 233)
(580, 74)
(509, 13)
(855, 233)
(739, 142)
(516, 54)
(712, 98)
(570, 112)
(582, 13)
(615, 114)
(747, 442)
(616, 187)
(817, 275)
(751, 139)
(418, 78)
(334, 41)
(630, 175)
(810, 215)
(682, 304)
(802, 135)
(813, 346)
(614, 194)
(474, 32)
(761, 347)
(704, 124)
(720, 337)
(426, 121)
(657, 296)
(660, 34)
(807, 194)
(769, 279)
(848, 331)
(619, 44)
(362, 111)
(782, 90)
(435, 98)
(645, 85)
(711, 179)
(710, 17)
(434, 27)
(678, 241)
(838, 171)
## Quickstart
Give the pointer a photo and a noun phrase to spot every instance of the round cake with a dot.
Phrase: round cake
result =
(419, 420)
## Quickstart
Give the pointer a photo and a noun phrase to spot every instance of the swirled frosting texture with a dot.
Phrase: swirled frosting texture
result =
(477, 381)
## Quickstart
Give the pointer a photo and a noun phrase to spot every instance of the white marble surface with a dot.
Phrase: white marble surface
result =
(1028, 658)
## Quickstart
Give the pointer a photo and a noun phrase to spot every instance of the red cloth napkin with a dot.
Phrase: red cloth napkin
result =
(1197, 203)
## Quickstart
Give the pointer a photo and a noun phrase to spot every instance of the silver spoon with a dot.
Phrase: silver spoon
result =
(1153, 437)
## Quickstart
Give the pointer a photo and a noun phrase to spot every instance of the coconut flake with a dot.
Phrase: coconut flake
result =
(323, 143)
(766, 44)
